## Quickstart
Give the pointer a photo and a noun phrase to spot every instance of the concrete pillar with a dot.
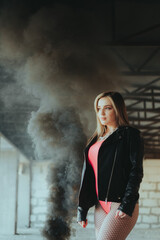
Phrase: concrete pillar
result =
(23, 209)
(8, 191)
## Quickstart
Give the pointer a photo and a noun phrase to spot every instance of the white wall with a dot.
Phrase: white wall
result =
(8, 187)
(14, 189)
(39, 193)
(150, 196)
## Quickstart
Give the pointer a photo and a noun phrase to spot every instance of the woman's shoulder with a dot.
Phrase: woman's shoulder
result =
(130, 129)
(133, 132)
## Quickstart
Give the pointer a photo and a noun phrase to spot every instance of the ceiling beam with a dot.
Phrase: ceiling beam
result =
(131, 43)
(142, 32)
(141, 73)
(147, 127)
(131, 110)
(129, 95)
(144, 120)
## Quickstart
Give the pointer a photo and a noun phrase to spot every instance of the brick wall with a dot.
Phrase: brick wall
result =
(149, 215)
(39, 194)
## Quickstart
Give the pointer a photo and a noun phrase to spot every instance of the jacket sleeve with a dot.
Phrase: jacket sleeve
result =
(86, 192)
(136, 153)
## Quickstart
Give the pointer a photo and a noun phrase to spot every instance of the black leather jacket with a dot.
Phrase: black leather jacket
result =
(125, 147)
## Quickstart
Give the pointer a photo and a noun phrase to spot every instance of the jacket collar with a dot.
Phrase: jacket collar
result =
(115, 136)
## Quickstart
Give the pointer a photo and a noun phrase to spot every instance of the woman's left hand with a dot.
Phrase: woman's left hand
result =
(120, 214)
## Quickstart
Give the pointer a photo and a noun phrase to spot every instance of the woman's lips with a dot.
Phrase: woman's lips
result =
(103, 118)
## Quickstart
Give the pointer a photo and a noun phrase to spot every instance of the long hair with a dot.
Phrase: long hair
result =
(120, 111)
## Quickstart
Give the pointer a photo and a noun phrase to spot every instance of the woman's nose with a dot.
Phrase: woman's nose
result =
(102, 112)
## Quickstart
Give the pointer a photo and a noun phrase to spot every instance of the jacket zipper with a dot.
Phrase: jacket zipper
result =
(111, 175)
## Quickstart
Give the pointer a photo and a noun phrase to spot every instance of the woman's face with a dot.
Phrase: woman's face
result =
(106, 112)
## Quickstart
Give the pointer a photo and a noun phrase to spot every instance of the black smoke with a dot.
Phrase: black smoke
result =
(59, 136)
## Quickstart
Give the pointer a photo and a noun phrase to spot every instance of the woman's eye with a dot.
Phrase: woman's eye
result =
(104, 108)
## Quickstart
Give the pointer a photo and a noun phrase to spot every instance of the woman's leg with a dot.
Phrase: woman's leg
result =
(99, 216)
(110, 228)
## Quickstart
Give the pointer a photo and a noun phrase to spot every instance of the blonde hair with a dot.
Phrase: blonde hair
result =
(120, 111)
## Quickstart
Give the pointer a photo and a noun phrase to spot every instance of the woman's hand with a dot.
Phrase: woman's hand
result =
(120, 214)
(83, 223)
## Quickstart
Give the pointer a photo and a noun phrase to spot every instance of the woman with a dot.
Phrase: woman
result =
(112, 171)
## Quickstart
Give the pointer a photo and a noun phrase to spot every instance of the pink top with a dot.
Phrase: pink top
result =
(93, 160)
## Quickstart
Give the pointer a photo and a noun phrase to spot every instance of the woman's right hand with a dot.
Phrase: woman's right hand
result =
(83, 223)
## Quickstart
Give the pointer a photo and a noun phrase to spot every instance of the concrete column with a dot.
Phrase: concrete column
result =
(8, 191)
(23, 210)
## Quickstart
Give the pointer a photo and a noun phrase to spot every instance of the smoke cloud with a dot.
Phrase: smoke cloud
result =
(59, 135)
(55, 54)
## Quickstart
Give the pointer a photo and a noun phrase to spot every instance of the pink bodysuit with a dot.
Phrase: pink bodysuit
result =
(93, 159)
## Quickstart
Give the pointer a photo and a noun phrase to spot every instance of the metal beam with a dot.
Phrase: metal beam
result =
(152, 152)
(148, 59)
(146, 89)
(153, 142)
(154, 145)
(141, 127)
(141, 73)
(113, 20)
(144, 120)
(148, 134)
(115, 51)
(131, 44)
(131, 110)
(129, 95)
(147, 85)
(149, 29)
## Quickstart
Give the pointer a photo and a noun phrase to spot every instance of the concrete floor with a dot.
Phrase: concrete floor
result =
(136, 234)
(34, 234)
